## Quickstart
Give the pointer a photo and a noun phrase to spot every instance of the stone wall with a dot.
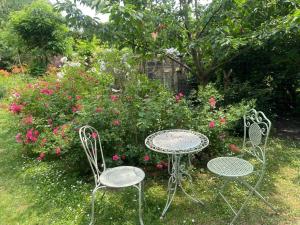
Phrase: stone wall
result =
(171, 74)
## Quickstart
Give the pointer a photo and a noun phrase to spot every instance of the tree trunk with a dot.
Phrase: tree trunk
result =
(200, 73)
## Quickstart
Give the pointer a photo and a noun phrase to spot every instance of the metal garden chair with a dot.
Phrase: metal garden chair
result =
(256, 132)
(117, 177)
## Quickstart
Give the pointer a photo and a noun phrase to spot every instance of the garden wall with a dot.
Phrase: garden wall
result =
(171, 74)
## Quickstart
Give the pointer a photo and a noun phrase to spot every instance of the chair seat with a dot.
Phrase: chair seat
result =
(230, 166)
(122, 176)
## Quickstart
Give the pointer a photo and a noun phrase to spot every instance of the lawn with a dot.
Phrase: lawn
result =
(33, 192)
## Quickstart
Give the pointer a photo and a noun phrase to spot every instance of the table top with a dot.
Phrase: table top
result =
(176, 141)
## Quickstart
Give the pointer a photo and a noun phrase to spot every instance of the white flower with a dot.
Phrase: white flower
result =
(172, 51)
(102, 66)
(115, 90)
(74, 64)
(60, 75)
(93, 70)
(64, 59)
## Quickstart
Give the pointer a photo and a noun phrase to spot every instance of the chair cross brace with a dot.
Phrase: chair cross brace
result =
(252, 190)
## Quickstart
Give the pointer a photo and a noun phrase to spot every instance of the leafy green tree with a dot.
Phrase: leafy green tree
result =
(42, 31)
(207, 36)
(8, 6)
(9, 50)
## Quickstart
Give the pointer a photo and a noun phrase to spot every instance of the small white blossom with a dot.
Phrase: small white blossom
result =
(172, 51)
(115, 90)
(102, 66)
(74, 64)
(60, 75)
(64, 59)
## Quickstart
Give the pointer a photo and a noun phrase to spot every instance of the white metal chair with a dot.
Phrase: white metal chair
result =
(117, 177)
(256, 132)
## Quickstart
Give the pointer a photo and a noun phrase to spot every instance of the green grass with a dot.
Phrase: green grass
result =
(42, 193)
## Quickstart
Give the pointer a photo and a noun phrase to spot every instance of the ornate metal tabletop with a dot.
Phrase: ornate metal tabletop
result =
(176, 141)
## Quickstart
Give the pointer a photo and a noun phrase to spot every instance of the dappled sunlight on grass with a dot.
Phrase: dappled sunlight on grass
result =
(35, 192)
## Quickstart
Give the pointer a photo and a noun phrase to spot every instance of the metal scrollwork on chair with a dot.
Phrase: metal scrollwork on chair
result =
(117, 177)
(256, 132)
(257, 128)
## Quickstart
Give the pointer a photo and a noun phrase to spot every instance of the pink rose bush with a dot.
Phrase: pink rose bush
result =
(15, 108)
(49, 113)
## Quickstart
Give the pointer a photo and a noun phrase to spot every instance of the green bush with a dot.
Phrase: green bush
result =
(51, 110)
(41, 31)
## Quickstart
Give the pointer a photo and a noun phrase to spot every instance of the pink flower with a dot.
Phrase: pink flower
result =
(15, 108)
(41, 157)
(116, 123)
(159, 166)
(99, 109)
(19, 138)
(78, 97)
(47, 91)
(222, 120)
(57, 151)
(234, 148)
(212, 124)
(94, 135)
(16, 95)
(146, 158)
(32, 135)
(115, 157)
(70, 97)
(28, 120)
(212, 102)
(114, 97)
(29, 86)
(179, 96)
(76, 108)
(55, 130)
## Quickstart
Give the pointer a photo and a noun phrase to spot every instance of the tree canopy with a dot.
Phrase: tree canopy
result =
(206, 36)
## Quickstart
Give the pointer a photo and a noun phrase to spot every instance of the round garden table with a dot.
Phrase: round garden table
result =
(177, 143)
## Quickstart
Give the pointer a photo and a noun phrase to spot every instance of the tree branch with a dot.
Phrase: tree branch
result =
(180, 63)
(167, 55)
(213, 68)
(210, 19)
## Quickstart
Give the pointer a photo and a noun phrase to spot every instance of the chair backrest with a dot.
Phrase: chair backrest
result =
(256, 133)
(90, 141)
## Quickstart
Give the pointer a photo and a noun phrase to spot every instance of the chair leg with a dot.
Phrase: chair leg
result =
(93, 206)
(93, 203)
(140, 204)
(222, 188)
(258, 195)
(242, 207)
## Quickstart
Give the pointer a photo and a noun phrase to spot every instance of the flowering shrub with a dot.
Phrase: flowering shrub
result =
(216, 120)
(52, 109)
(4, 73)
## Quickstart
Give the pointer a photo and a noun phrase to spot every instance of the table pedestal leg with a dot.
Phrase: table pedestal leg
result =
(177, 174)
